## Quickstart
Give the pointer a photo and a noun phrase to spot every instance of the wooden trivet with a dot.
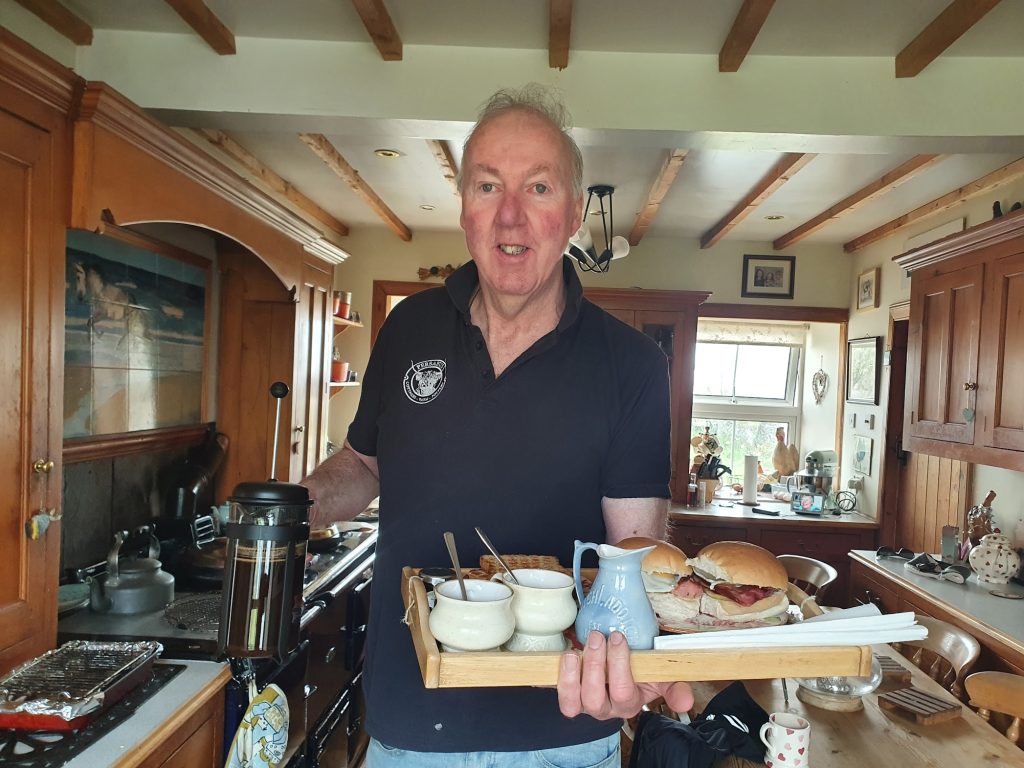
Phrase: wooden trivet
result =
(923, 707)
(892, 670)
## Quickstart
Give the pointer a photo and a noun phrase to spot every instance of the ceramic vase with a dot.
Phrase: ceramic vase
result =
(994, 560)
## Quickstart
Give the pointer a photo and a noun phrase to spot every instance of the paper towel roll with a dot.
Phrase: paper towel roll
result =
(750, 479)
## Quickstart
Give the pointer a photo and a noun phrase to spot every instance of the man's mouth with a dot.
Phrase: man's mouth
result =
(511, 250)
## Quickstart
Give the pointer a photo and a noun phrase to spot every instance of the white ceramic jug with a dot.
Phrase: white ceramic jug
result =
(994, 560)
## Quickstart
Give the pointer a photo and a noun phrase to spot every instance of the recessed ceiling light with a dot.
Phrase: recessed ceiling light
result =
(426, 207)
(389, 154)
(774, 217)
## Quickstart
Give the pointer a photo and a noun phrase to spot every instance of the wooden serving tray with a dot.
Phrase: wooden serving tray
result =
(493, 669)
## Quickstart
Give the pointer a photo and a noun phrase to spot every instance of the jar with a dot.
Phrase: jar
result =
(431, 577)
(994, 560)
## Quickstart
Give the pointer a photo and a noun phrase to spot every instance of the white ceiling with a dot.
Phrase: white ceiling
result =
(712, 179)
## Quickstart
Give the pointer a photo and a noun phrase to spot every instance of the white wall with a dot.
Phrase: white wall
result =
(894, 288)
(818, 420)
(656, 263)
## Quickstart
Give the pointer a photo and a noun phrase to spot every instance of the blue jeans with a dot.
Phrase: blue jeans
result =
(603, 753)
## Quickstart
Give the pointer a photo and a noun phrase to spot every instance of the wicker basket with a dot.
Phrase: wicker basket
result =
(489, 563)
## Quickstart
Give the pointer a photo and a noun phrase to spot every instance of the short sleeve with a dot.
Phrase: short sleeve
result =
(363, 431)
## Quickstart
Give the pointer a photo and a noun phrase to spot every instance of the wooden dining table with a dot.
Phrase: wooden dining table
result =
(877, 738)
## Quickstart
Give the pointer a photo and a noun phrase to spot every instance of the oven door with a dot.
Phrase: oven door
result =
(339, 739)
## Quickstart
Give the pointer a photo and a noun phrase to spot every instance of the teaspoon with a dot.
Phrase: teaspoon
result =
(449, 540)
(499, 558)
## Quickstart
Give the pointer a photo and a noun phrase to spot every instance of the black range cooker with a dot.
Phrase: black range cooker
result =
(321, 678)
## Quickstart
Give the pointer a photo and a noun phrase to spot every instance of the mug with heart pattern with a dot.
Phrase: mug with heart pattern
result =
(788, 738)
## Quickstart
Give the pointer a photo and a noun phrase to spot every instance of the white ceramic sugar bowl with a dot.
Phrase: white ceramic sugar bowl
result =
(994, 560)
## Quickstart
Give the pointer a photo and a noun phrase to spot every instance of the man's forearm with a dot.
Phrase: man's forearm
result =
(634, 517)
(342, 486)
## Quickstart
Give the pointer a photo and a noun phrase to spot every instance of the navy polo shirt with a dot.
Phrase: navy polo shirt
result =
(527, 456)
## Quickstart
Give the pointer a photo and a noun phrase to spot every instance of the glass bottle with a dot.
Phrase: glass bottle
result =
(692, 491)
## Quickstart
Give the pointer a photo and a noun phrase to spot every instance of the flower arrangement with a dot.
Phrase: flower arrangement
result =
(706, 463)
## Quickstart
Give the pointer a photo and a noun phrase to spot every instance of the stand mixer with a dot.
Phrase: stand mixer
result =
(813, 494)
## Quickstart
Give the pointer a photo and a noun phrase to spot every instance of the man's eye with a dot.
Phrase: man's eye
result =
(487, 187)
(540, 188)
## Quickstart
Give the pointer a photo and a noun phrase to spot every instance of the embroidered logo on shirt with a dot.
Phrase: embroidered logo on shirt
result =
(424, 380)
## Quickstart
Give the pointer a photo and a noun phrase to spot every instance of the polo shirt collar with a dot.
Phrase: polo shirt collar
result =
(463, 282)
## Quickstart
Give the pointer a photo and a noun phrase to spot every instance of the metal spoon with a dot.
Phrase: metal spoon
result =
(499, 558)
(449, 540)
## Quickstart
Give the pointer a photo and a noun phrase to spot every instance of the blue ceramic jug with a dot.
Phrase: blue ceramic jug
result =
(617, 600)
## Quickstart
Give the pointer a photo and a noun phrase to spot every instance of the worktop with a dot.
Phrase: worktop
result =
(997, 623)
(725, 509)
(142, 738)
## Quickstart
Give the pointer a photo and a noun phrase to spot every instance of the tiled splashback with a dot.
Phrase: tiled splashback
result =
(108, 495)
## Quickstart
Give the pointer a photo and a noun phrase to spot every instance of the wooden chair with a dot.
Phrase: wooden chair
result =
(812, 576)
(1000, 693)
(946, 655)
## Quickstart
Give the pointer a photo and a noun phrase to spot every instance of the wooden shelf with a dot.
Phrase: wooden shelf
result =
(340, 321)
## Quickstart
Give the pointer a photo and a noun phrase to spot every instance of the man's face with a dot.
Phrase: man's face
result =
(518, 209)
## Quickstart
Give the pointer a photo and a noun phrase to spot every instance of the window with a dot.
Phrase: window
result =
(746, 385)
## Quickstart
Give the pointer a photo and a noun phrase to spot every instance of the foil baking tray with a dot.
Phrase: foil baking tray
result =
(66, 688)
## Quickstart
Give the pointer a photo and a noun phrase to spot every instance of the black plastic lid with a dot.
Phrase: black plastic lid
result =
(271, 493)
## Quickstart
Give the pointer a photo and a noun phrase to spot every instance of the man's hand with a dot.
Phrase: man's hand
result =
(602, 684)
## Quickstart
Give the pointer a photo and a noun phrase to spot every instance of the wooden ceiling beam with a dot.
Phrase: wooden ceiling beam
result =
(382, 30)
(559, 32)
(876, 188)
(205, 24)
(662, 184)
(323, 149)
(61, 19)
(261, 173)
(981, 186)
(443, 154)
(944, 30)
(744, 30)
(781, 172)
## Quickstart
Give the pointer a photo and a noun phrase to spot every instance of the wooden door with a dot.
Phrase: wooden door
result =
(30, 332)
(945, 329)
(314, 329)
(1001, 366)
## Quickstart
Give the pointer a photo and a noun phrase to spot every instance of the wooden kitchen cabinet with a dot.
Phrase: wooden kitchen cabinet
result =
(965, 350)
(871, 583)
(670, 318)
(35, 97)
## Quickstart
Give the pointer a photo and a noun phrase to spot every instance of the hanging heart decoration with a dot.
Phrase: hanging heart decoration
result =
(819, 383)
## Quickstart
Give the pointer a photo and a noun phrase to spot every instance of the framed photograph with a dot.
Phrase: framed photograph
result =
(135, 337)
(768, 277)
(867, 289)
(862, 448)
(863, 370)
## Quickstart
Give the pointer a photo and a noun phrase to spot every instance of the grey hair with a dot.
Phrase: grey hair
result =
(543, 102)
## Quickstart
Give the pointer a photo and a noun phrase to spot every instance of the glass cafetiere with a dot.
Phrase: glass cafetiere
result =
(267, 532)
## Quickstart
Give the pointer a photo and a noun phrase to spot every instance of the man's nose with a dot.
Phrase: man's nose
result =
(510, 211)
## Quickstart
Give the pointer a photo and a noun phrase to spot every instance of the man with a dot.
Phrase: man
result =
(508, 401)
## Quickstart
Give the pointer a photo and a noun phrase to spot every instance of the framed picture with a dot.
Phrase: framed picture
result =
(768, 277)
(863, 370)
(867, 289)
(862, 448)
(135, 336)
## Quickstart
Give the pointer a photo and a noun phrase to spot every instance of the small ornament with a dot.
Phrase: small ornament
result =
(819, 385)
(440, 272)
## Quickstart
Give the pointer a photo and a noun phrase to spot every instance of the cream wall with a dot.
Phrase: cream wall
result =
(818, 420)
(656, 263)
(895, 287)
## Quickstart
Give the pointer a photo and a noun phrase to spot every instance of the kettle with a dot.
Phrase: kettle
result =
(134, 584)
